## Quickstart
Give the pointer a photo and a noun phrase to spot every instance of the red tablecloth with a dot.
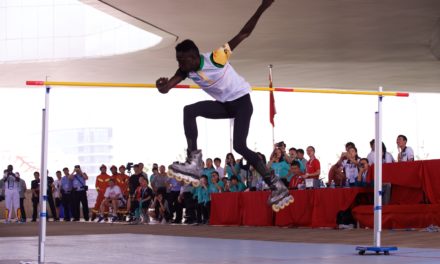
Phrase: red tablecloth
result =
(313, 208)
(412, 181)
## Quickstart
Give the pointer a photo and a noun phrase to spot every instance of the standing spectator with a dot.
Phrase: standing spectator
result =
(204, 200)
(231, 167)
(23, 189)
(293, 155)
(50, 200)
(101, 184)
(300, 153)
(122, 181)
(2, 188)
(66, 194)
(186, 194)
(79, 195)
(173, 200)
(296, 175)
(57, 193)
(133, 184)
(386, 156)
(278, 164)
(114, 172)
(35, 188)
(155, 174)
(219, 168)
(160, 180)
(12, 195)
(112, 198)
(141, 167)
(208, 169)
(405, 153)
(313, 166)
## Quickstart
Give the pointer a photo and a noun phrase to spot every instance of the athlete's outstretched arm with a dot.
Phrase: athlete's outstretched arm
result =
(250, 25)
(164, 85)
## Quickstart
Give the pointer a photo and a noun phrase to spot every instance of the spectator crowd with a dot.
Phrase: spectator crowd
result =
(127, 193)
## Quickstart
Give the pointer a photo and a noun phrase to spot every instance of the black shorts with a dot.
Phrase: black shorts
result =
(57, 202)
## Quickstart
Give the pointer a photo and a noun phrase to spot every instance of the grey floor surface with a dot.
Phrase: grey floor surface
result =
(129, 248)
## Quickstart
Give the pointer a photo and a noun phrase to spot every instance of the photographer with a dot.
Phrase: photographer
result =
(278, 164)
(79, 194)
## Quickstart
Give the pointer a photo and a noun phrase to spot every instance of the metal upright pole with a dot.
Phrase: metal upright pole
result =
(43, 181)
(231, 136)
(378, 174)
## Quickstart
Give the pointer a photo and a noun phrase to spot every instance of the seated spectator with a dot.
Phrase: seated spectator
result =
(256, 182)
(235, 185)
(361, 179)
(350, 162)
(143, 197)
(386, 156)
(113, 199)
(405, 153)
(161, 211)
(313, 166)
(216, 185)
(296, 175)
(336, 174)
(278, 164)
(300, 153)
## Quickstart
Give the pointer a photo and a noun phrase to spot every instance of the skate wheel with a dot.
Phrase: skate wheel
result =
(170, 174)
(196, 184)
(178, 178)
(282, 206)
(187, 181)
(291, 199)
(275, 208)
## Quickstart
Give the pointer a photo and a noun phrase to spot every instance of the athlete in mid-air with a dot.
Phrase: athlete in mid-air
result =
(213, 73)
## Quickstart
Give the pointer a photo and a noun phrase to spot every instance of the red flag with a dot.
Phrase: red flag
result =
(272, 110)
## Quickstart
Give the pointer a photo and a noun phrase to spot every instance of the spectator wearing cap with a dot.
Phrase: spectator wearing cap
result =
(101, 184)
(79, 194)
(122, 181)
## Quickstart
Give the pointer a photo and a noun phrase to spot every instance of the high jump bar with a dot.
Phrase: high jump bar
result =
(185, 86)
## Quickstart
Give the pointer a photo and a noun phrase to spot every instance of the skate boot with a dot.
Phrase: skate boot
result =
(189, 171)
(280, 196)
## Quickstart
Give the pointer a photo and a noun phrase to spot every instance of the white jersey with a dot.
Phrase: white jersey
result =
(407, 154)
(218, 78)
(113, 192)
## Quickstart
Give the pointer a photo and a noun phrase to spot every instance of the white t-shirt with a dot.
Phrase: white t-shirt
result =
(407, 154)
(218, 78)
(113, 192)
(57, 187)
(388, 158)
(221, 172)
(351, 170)
(11, 183)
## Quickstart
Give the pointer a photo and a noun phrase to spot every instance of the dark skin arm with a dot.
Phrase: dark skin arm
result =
(250, 25)
(164, 85)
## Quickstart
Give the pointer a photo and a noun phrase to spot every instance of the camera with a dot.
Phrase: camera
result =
(129, 166)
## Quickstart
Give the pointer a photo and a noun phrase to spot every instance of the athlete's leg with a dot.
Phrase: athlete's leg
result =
(207, 109)
(243, 109)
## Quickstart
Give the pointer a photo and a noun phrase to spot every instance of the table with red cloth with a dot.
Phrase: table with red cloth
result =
(312, 208)
(415, 195)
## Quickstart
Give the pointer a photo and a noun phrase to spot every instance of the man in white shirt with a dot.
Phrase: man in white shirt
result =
(12, 194)
(405, 153)
(112, 198)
